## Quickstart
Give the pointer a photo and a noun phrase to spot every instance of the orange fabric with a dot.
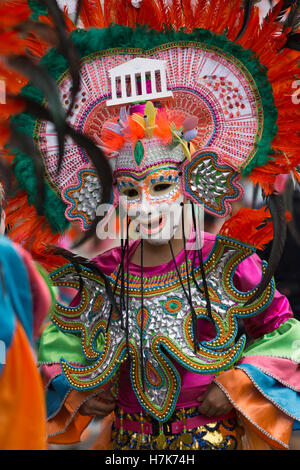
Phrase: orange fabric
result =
(22, 407)
(103, 440)
(251, 440)
(259, 412)
(69, 427)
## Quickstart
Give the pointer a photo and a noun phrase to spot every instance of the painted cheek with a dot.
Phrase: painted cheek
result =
(174, 195)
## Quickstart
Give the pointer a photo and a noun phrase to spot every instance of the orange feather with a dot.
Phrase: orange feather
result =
(33, 232)
(4, 133)
(11, 43)
(163, 127)
(13, 13)
(13, 80)
(246, 226)
(91, 14)
(11, 106)
(134, 131)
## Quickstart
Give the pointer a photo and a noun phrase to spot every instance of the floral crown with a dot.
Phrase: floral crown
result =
(149, 123)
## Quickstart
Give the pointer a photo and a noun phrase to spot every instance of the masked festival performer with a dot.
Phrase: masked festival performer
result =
(182, 115)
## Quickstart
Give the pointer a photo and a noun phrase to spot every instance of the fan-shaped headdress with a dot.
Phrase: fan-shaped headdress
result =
(240, 92)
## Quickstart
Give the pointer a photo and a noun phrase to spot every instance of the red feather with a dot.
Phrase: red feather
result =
(252, 226)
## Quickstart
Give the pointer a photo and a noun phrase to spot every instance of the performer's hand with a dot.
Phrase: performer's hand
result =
(101, 405)
(214, 402)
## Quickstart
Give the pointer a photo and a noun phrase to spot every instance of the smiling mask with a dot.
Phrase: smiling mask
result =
(153, 203)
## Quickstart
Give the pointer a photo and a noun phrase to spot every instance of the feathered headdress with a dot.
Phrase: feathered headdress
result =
(235, 74)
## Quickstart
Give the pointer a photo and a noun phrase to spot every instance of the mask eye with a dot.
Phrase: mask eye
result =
(161, 187)
(130, 193)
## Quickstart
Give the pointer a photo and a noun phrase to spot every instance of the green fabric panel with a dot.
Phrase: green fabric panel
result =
(282, 342)
(56, 345)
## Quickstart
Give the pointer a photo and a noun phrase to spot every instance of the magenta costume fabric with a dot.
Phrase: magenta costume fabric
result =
(247, 276)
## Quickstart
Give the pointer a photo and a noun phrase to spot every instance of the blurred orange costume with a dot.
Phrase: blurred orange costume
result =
(25, 301)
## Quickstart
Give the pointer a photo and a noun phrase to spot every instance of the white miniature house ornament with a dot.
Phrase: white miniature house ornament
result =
(136, 3)
(138, 80)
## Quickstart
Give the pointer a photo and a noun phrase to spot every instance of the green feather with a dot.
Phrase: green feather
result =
(37, 9)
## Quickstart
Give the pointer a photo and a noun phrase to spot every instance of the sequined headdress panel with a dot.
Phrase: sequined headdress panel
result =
(237, 86)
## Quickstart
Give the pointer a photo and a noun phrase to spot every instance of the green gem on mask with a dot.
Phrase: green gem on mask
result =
(139, 152)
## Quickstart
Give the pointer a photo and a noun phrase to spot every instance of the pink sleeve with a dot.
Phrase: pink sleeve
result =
(247, 277)
(41, 297)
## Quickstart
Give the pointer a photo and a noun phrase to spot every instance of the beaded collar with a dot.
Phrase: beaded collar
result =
(167, 331)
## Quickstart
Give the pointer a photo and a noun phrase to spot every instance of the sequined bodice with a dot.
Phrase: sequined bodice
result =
(162, 330)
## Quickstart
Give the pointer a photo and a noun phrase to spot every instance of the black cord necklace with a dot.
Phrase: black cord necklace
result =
(201, 264)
